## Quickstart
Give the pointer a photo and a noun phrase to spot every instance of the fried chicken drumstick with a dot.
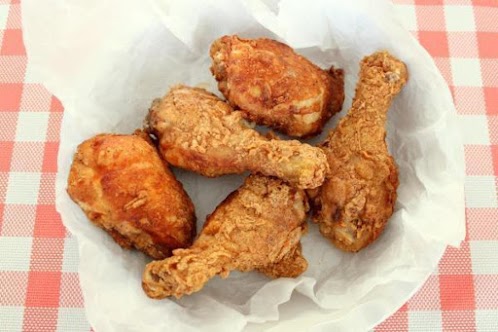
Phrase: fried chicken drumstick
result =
(199, 132)
(358, 196)
(125, 188)
(274, 86)
(258, 226)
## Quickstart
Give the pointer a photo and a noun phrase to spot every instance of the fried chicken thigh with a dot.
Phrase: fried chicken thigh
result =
(274, 86)
(125, 188)
(258, 226)
(199, 132)
(358, 196)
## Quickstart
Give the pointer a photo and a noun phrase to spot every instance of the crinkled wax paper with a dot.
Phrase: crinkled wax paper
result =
(107, 60)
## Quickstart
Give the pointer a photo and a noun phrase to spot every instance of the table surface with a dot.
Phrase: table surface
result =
(39, 287)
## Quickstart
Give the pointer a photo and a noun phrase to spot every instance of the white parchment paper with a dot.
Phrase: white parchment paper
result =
(107, 60)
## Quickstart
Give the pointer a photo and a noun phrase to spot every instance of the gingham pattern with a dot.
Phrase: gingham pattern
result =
(39, 288)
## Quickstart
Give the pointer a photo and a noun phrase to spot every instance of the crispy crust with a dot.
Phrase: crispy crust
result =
(258, 226)
(199, 132)
(292, 265)
(125, 188)
(274, 86)
(359, 194)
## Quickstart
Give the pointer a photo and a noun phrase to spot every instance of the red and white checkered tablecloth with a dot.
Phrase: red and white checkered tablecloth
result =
(39, 288)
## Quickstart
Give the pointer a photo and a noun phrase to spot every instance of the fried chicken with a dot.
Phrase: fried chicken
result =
(274, 86)
(125, 188)
(292, 265)
(199, 132)
(358, 196)
(258, 226)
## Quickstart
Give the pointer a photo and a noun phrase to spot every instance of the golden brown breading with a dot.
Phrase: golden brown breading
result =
(292, 265)
(358, 196)
(199, 132)
(274, 86)
(257, 225)
(125, 188)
